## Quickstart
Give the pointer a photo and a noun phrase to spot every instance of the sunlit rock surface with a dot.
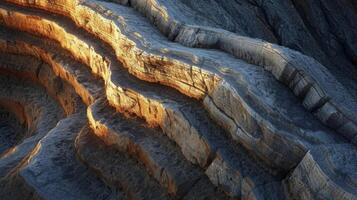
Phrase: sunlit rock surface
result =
(163, 99)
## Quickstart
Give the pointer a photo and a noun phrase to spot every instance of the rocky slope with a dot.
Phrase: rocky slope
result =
(157, 99)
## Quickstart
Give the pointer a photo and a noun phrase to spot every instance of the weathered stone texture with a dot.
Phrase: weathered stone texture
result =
(161, 99)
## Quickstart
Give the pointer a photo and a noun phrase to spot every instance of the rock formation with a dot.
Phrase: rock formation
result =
(185, 99)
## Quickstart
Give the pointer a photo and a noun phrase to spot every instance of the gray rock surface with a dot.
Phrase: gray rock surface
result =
(161, 99)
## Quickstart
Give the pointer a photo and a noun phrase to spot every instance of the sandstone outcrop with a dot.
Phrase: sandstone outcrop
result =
(157, 99)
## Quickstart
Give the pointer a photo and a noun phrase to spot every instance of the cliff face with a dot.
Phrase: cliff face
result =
(157, 99)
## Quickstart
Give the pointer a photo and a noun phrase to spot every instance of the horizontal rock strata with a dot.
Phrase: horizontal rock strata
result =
(100, 102)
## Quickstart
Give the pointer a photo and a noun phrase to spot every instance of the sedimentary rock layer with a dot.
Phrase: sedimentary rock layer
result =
(183, 110)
